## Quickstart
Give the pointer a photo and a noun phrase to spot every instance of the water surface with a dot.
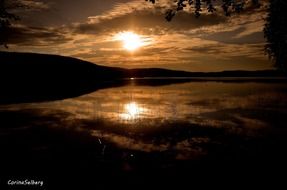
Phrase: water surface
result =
(186, 121)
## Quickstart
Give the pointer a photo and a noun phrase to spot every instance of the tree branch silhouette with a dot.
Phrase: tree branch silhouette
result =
(228, 6)
(6, 18)
(275, 32)
(275, 29)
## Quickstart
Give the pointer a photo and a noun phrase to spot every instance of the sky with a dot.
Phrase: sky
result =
(89, 30)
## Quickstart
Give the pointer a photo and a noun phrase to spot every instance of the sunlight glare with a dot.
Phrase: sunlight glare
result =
(132, 111)
(131, 41)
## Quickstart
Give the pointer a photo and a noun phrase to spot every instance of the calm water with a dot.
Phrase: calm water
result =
(181, 118)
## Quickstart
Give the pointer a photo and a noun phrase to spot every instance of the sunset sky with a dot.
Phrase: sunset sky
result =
(97, 31)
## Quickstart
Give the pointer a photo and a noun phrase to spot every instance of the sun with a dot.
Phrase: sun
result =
(131, 41)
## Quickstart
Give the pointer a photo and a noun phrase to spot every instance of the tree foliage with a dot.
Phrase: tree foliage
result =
(228, 6)
(275, 30)
(5, 21)
(276, 33)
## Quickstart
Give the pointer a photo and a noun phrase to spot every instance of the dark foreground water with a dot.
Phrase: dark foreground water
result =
(163, 130)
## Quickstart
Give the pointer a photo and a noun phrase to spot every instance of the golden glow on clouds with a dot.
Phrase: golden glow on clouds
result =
(131, 41)
(133, 35)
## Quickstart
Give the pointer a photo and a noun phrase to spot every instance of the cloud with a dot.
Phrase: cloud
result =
(146, 20)
(35, 4)
(212, 42)
(27, 5)
(239, 35)
(35, 36)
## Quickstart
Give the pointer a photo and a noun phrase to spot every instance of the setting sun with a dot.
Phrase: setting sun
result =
(131, 41)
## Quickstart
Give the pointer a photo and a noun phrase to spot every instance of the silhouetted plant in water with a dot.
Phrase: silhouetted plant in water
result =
(275, 32)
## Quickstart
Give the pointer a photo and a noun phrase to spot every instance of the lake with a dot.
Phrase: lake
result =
(137, 126)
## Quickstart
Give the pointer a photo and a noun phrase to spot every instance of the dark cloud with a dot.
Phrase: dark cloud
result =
(147, 21)
(26, 5)
(35, 36)
(230, 37)
(86, 29)
(61, 12)
(229, 50)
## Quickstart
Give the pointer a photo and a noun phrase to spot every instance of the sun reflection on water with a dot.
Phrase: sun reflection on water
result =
(132, 111)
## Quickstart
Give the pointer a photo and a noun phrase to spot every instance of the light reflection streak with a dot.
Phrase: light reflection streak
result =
(132, 111)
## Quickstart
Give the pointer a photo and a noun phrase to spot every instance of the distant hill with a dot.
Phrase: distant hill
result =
(156, 72)
(26, 77)
(37, 77)
(53, 66)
